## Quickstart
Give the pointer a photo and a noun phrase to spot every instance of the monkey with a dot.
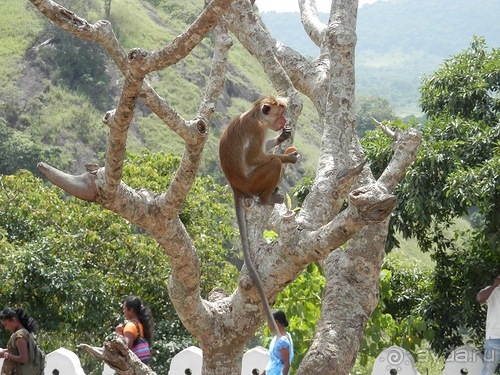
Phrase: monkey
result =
(254, 173)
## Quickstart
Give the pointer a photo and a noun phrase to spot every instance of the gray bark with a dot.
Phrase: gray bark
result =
(315, 234)
(118, 356)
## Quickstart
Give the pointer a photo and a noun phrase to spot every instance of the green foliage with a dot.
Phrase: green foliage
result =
(456, 173)
(459, 276)
(17, 151)
(301, 190)
(432, 193)
(369, 108)
(398, 318)
(69, 263)
(301, 302)
(204, 213)
(467, 127)
(465, 86)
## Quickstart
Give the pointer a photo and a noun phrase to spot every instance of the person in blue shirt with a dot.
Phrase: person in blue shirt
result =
(280, 348)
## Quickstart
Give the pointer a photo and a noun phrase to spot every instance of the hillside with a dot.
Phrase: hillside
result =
(57, 88)
(399, 41)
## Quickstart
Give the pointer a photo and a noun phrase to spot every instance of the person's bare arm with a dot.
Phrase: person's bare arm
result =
(127, 336)
(285, 357)
(485, 293)
(22, 347)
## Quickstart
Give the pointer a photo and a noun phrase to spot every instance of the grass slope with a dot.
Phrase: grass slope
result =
(18, 29)
(137, 24)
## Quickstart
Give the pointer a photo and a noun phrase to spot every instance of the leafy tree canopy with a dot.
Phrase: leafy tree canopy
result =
(70, 263)
(456, 174)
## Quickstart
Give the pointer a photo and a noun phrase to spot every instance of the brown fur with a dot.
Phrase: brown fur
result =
(249, 169)
(252, 172)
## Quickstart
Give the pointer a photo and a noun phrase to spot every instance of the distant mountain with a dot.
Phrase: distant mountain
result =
(54, 83)
(399, 41)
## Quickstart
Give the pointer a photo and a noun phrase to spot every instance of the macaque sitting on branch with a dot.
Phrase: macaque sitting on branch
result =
(252, 172)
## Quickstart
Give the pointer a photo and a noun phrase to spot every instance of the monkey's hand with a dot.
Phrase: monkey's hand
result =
(285, 134)
(293, 154)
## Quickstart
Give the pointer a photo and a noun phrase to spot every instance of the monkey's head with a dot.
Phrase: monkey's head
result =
(272, 111)
(272, 100)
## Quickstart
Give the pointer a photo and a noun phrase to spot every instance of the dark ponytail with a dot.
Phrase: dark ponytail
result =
(26, 321)
(144, 315)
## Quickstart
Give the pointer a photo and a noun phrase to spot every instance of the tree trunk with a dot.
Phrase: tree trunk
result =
(223, 323)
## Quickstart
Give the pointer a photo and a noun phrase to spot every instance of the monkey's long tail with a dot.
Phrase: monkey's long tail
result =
(240, 216)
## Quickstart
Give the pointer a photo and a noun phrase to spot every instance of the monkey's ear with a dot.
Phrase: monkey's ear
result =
(266, 108)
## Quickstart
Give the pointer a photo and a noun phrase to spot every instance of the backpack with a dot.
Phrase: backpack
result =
(36, 358)
(141, 347)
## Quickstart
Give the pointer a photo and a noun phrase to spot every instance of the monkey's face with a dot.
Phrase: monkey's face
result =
(275, 117)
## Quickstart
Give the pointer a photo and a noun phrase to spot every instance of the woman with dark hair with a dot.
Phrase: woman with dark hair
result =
(280, 348)
(20, 325)
(139, 324)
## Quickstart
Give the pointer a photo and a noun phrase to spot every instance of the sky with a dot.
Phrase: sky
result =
(292, 5)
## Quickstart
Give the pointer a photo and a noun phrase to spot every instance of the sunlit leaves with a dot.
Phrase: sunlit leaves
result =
(465, 85)
(18, 151)
(67, 255)
(398, 318)
(301, 301)
(70, 263)
(456, 175)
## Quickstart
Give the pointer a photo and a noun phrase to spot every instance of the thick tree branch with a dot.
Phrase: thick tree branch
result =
(405, 148)
(243, 22)
(118, 356)
(119, 122)
(349, 297)
(338, 120)
(82, 186)
(215, 85)
(312, 25)
(368, 205)
(333, 185)
(351, 291)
